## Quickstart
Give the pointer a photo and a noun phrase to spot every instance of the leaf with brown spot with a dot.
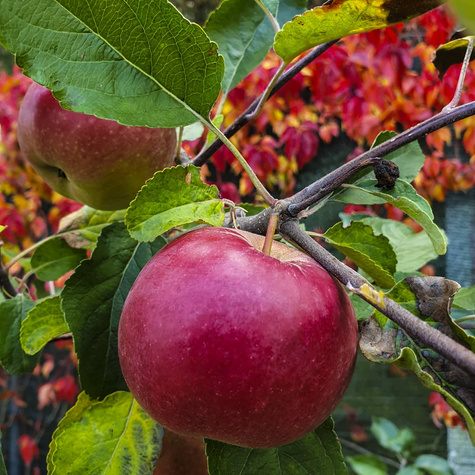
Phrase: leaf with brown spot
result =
(340, 18)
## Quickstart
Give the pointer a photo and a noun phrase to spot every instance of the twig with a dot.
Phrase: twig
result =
(413, 326)
(312, 193)
(248, 114)
(362, 450)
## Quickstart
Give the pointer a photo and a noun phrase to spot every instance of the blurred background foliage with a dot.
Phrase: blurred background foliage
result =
(332, 111)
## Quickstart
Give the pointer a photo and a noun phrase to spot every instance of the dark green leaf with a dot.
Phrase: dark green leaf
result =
(367, 465)
(363, 309)
(373, 254)
(433, 464)
(410, 470)
(402, 196)
(54, 258)
(12, 357)
(139, 63)
(341, 18)
(317, 453)
(92, 301)
(391, 437)
(109, 437)
(44, 322)
(173, 197)
(451, 53)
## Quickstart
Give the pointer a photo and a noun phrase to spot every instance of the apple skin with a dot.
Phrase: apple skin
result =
(94, 161)
(181, 455)
(219, 340)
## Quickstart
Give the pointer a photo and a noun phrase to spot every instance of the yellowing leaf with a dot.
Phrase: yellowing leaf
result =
(343, 18)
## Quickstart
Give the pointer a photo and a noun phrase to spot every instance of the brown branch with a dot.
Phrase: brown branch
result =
(250, 113)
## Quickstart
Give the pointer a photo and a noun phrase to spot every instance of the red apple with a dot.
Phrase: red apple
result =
(219, 340)
(94, 161)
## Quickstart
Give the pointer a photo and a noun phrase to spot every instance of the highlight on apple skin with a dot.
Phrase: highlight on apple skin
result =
(219, 340)
(94, 161)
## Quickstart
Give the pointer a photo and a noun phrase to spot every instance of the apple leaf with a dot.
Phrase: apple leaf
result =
(381, 341)
(244, 34)
(466, 12)
(433, 465)
(83, 227)
(317, 452)
(367, 465)
(409, 158)
(402, 196)
(116, 59)
(373, 254)
(465, 298)
(105, 437)
(340, 18)
(173, 197)
(54, 258)
(44, 322)
(12, 357)
(451, 53)
(391, 437)
(92, 301)
(413, 250)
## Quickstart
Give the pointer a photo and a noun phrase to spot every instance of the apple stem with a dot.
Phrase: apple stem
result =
(271, 227)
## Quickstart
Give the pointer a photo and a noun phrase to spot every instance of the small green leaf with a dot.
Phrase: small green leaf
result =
(413, 250)
(44, 322)
(54, 258)
(391, 437)
(341, 18)
(84, 226)
(363, 309)
(92, 301)
(409, 158)
(139, 63)
(367, 465)
(465, 298)
(433, 464)
(410, 470)
(371, 253)
(173, 197)
(402, 196)
(192, 132)
(108, 437)
(2, 228)
(12, 357)
(317, 452)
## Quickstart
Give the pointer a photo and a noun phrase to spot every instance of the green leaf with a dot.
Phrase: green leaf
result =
(317, 452)
(341, 18)
(466, 12)
(413, 250)
(391, 437)
(409, 158)
(244, 34)
(12, 357)
(3, 469)
(371, 253)
(433, 464)
(367, 465)
(84, 226)
(106, 437)
(54, 258)
(173, 197)
(465, 298)
(410, 470)
(192, 132)
(363, 309)
(44, 322)
(402, 196)
(92, 301)
(116, 59)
